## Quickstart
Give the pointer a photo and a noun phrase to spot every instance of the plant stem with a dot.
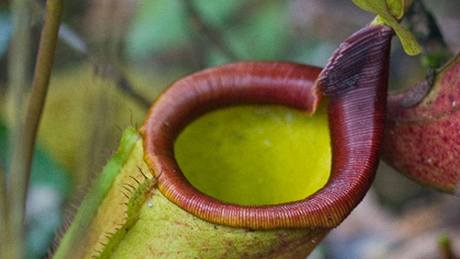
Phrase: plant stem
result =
(18, 65)
(114, 72)
(18, 80)
(23, 153)
(3, 214)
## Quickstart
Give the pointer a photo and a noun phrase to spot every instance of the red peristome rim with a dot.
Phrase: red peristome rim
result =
(355, 120)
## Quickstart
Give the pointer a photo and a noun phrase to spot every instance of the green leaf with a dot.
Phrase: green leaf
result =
(388, 11)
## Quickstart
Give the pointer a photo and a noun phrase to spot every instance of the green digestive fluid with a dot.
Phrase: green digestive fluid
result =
(256, 155)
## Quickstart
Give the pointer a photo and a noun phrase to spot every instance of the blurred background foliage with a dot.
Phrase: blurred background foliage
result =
(115, 56)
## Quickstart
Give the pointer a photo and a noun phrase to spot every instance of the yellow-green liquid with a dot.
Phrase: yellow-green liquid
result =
(256, 155)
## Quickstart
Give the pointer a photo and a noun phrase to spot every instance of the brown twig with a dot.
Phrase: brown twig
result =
(126, 87)
(111, 71)
(23, 153)
(207, 30)
(76, 43)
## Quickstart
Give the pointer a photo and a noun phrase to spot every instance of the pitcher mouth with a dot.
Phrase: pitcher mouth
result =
(354, 156)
